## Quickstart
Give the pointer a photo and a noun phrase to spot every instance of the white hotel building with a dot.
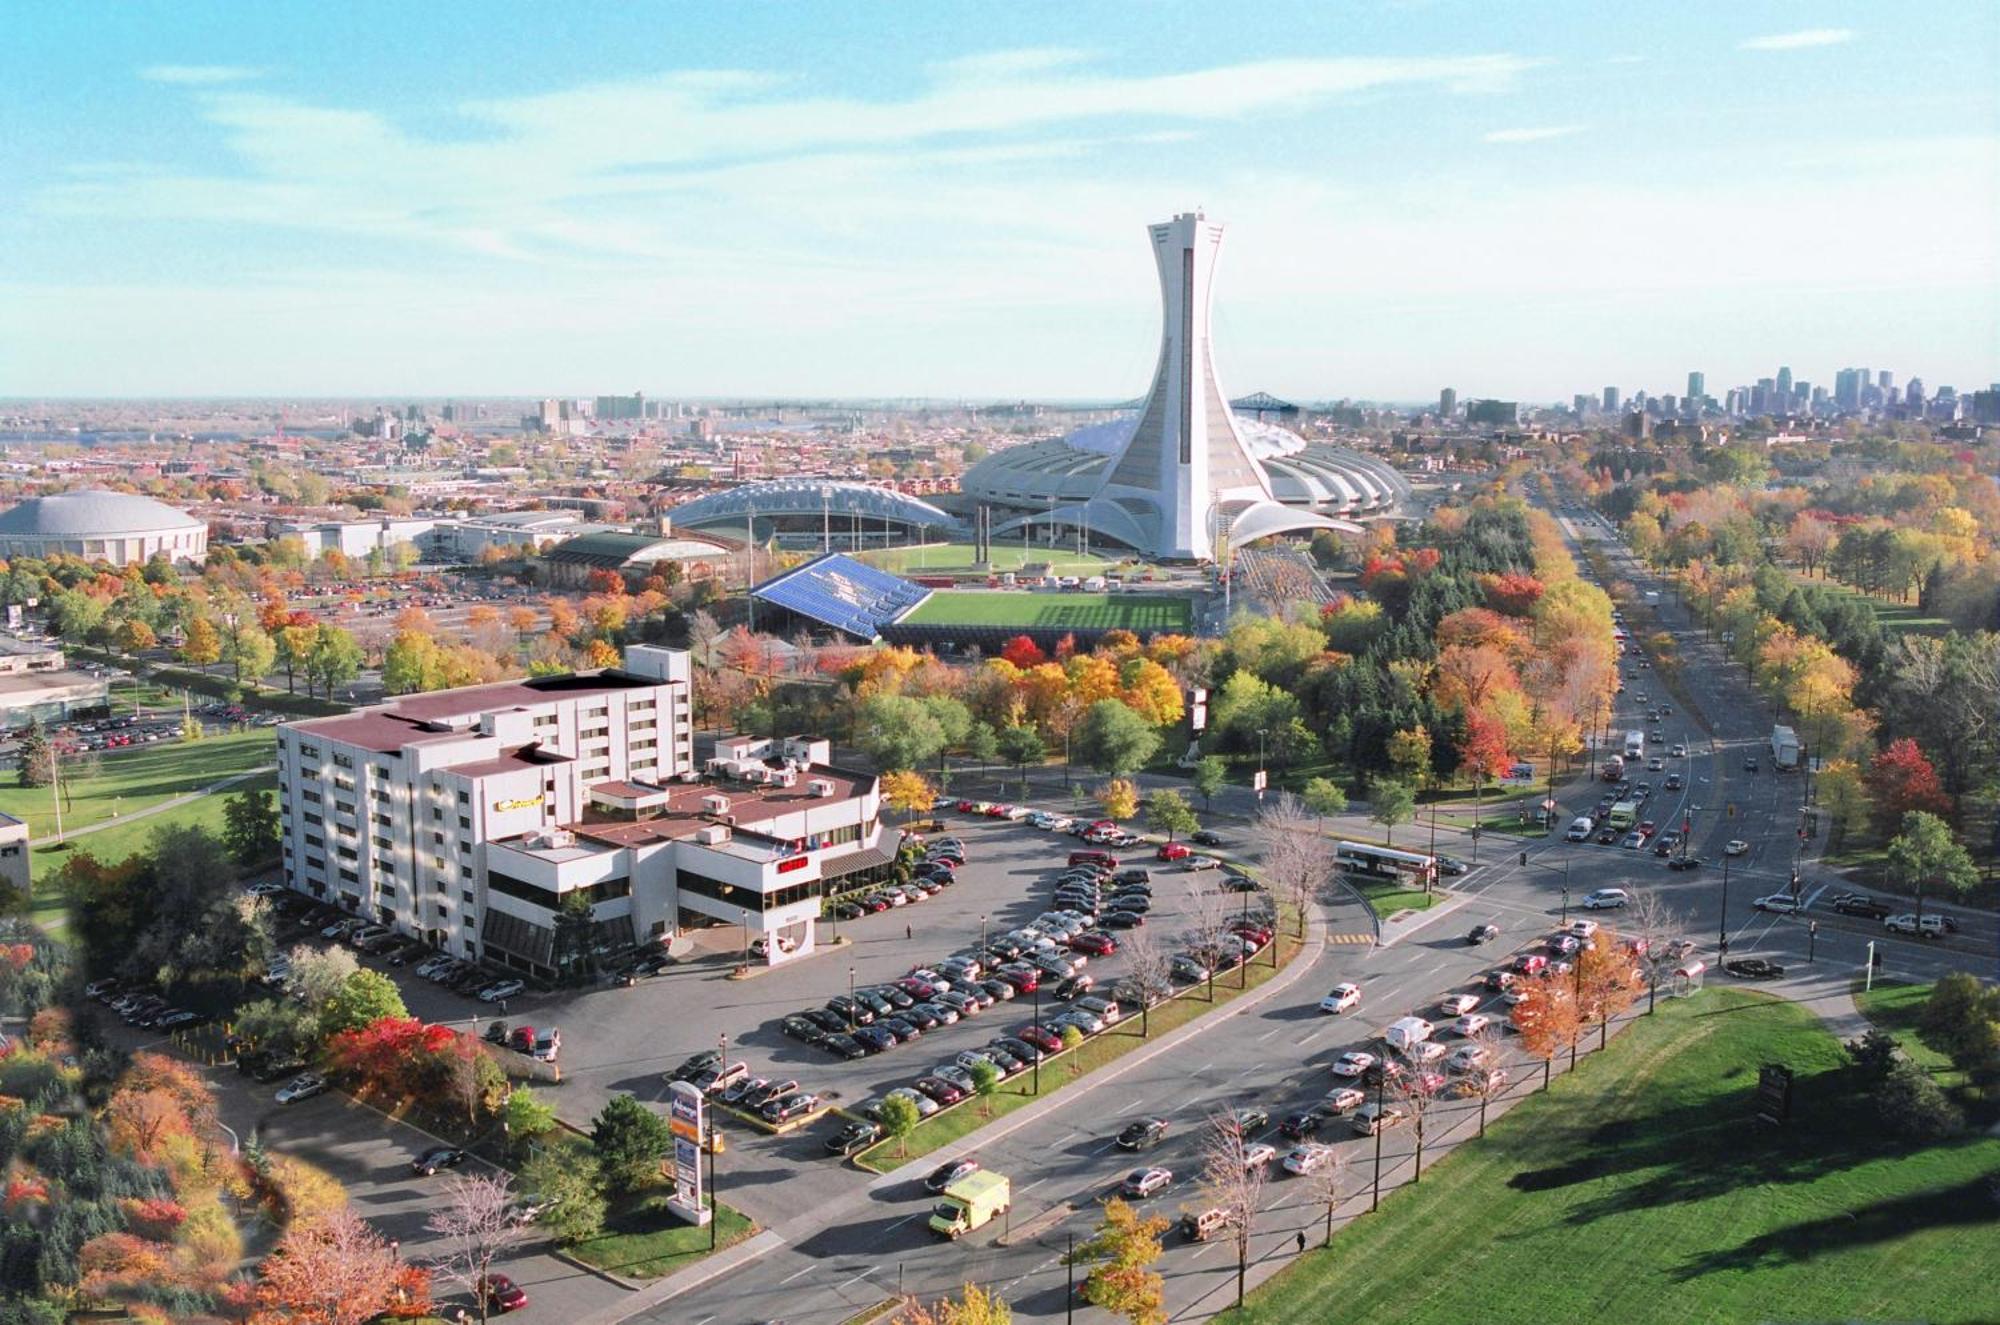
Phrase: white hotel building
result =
(466, 817)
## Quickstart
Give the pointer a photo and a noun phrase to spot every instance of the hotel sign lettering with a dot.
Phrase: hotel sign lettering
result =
(523, 803)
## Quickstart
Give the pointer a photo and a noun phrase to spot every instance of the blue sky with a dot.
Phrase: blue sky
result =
(951, 199)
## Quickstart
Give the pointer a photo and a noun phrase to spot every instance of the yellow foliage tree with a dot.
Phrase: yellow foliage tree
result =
(1119, 797)
(907, 791)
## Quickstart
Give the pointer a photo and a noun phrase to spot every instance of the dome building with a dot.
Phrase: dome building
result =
(121, 528)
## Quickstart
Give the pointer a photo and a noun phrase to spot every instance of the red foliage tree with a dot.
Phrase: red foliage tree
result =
(1514, 593)
(1023, 652)
(1901, 779)
(1483, 752)
(395, 1055)
(1065, 648)
(1424, 560)
(604, 581)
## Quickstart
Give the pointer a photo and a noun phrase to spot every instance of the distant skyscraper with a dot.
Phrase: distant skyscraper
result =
(1886, 380)
(1697, 386)
(1784, 381)
(1447, 402)
(1611, 400)
(1913, 394)
(1581, 403)
(1847, 385)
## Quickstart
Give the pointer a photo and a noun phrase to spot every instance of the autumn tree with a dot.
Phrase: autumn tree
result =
(363, 998)
(1900, 781)
(1118, 798)
(974, 1306)
(1843, 798)
(1121, 1256)
(333, 1269)
(1023, 652)
(1548, 1022)
(1323, 797)
(201, 644)
(1409, 752)
(909, 792)
(1606, 981)
(473, 1228)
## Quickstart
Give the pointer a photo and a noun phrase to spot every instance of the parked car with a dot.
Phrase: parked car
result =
(504, 1295)
(501, 989)
(302, 1087)
(853, 1136)
(1754, 968)
(436, 1158)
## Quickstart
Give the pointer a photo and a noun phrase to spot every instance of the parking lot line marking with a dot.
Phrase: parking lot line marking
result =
(1204, 1067)
(863, 1275)
(1030, 1186)
(1308, 1037)
(904, 1220)
(796, 1274)
(1268, 1034)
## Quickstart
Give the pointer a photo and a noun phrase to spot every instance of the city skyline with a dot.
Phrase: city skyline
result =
(285, 205)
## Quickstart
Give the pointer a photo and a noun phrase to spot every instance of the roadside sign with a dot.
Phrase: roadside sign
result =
(686, 1117)
(1774, 1093)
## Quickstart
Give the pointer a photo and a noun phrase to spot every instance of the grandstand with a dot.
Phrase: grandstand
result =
(840, 593)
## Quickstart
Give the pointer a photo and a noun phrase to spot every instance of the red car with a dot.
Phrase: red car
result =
(939, 1089)
(1045, 1040)
(503, 1294)
(1530, 963)
(1257, 934)
(1104, 858)
(1094, 943)
(1174, 851)
(964, 807)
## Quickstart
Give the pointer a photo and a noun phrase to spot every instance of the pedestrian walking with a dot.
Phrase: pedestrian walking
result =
(1302, 1242)
(908, 933)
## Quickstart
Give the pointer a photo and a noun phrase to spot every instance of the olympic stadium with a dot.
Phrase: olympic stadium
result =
(1178, 479)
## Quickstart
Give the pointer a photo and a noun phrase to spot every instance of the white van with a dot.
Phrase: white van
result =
(1580, 828)
(1405, 1033)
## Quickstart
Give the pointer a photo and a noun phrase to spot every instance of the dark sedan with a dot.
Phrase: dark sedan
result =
(798, 1028)
(1143, 1135)
(875, 1040)
(844, 1045)
(436, 1158)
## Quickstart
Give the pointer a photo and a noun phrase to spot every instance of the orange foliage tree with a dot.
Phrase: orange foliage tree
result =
(1548, 1021)
(332, 1270)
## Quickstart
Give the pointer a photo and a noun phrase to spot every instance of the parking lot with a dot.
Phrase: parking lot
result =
(624, 1039)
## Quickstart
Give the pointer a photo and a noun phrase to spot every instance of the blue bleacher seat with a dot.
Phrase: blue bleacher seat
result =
(847, 595)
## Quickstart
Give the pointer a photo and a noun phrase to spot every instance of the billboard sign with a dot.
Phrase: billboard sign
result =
(686, 1118)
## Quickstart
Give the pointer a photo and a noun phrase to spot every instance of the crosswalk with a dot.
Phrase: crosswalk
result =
(1350, 938)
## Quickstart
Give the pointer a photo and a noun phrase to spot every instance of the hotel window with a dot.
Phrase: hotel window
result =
(315, 841)
(465, 798)
(311, 796)
(464, 823)
(342, 761)
(313, 819)
(309, 752)
(344, 807)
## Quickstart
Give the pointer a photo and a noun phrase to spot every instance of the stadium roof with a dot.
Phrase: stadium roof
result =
(847, 595)
(95, 513)
(809, 497)
(612, 550)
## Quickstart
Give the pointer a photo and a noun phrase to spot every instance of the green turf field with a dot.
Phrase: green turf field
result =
(1051, 611)
(949, 557)
(1642, 1189)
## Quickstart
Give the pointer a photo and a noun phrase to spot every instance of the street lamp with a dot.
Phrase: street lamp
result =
(850, 1000)
(1261, 733)
(745, 914)
(1040, 1053)
(1722, 920)
(982, 935)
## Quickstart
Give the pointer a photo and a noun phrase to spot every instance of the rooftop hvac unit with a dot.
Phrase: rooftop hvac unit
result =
(711, 835)
(552, 839)
(715, 805)
(786, 777)
(821, 787)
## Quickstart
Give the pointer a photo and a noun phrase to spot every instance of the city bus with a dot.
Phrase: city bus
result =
(1362, 865)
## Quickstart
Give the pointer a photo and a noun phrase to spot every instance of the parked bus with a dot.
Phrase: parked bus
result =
(1362, 865)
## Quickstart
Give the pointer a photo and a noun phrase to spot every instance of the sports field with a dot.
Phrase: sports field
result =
(1051, 611)
(951, 557)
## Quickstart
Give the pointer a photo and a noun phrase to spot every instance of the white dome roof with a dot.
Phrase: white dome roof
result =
(95, 514)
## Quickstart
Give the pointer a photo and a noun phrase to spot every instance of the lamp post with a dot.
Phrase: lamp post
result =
(1375, 1195)
(1261, 733)
(1041, 1053)
(850, 1000)
(745, 914)
(1722, 920)
(982, 935)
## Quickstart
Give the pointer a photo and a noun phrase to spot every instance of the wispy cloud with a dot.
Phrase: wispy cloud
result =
(1803, 39)
(1625, 59)
(544, 182)
(1531, 135)
(199, 75)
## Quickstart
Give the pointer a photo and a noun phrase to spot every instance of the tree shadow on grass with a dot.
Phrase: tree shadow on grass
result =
(1967, 1204)
(1692, 1151)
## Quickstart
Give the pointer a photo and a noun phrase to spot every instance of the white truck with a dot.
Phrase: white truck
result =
(1784, 749)
(1635, 744)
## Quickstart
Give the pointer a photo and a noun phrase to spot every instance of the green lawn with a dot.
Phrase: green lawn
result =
(946, 557)
(1094, 1053)
(644, 1240)
(131, 780)
(1051, 611)
(1642, 1189)
(1894, 1008)
(1387, 900)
